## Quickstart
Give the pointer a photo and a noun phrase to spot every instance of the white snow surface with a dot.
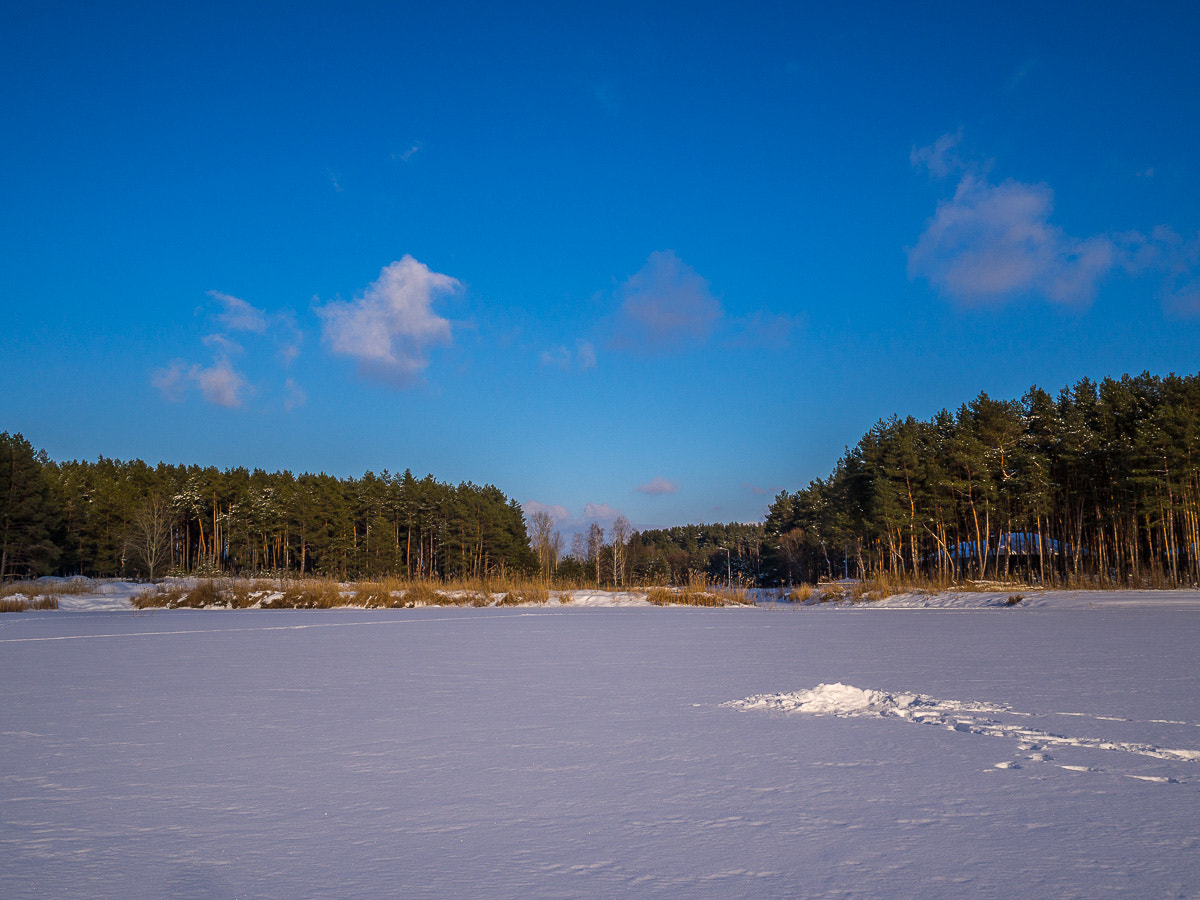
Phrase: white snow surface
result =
(571, 751)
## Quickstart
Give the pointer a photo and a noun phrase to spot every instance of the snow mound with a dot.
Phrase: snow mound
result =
(967, 717)
(833, 700)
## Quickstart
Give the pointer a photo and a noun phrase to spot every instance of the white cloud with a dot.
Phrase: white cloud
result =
(658, 485)
(390, 328)
(583, 358)
(239, 315)
(171, 382)
(288, 336)
(222, 345)
(585, 355)
(295, 395)
(994, 242)
(600, 512)
(941, 157)
(665, 307)
(556, 512)
(220, 383)
(558, 358)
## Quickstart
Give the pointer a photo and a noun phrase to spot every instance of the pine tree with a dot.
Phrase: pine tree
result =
(28, 513)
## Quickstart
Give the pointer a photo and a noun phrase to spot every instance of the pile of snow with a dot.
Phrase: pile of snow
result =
(591, 598)
(846, 700)
(966, 717)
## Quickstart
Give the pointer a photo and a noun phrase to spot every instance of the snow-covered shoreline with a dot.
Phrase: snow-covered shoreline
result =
(114, 595)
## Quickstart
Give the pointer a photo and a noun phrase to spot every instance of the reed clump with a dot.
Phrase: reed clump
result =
(698, 592)
(22, 596)
(21, 603)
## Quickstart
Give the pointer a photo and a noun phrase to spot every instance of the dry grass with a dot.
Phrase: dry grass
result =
(163, 595)
(390, 593)
(37, 591)
(535, 593)
(309, 594)
(21, 603)
(20, 596)
(801, 593)
(698, 592)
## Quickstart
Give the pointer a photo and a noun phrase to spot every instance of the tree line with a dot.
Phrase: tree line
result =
(1101, 482)
(623, 556)
(114, 518)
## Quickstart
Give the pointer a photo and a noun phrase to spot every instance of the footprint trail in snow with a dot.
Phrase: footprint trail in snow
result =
(845, 700)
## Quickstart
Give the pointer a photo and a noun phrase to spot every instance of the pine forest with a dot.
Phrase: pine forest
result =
(1099, 484)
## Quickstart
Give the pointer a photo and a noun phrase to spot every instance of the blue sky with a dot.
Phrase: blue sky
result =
(663, 260)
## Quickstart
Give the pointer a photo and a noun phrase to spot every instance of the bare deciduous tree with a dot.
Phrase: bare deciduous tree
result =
(547, 543)
(595, 543)
(791, 550)
(149, 540)
(621, 532)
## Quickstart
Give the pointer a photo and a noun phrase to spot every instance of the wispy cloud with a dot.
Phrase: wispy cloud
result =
(991, 243)
(753, 489)
(220, 383)
(171, 381)
(294, 395)
(391, 327)
(585, 355)
(288, 336)
(1180, 259)
(220, 344)
(238, 315)
(658, 485)
(1019, 76)
(994, 242)
(582, 359)
(600, 512)
(665, 307)
(408, 154)
(556, 512)
(941, 157)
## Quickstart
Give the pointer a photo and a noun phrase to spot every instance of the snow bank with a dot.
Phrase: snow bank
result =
(1031, 598)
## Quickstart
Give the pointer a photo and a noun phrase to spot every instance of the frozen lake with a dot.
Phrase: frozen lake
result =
(560, 752)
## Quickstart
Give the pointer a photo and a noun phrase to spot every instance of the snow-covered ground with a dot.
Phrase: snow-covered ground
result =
(1043, 750)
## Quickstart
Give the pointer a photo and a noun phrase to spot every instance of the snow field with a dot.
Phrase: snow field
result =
(560, 752)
